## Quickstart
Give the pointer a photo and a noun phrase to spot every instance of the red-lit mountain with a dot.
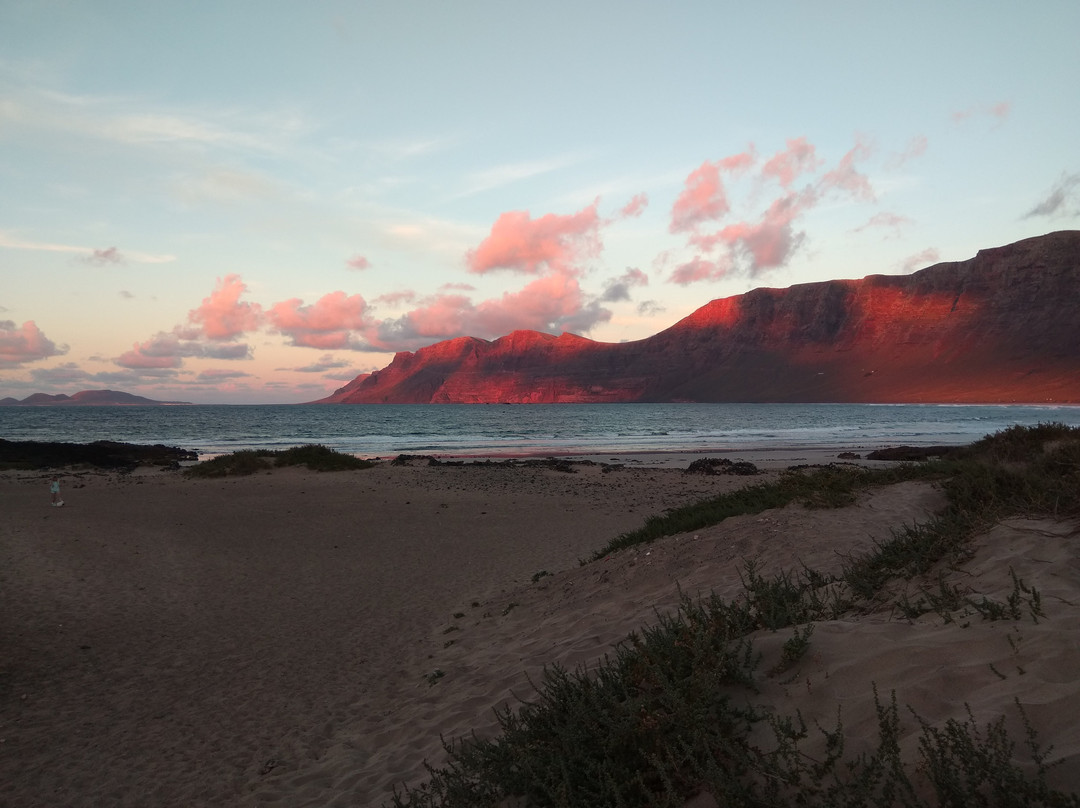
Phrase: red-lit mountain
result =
(1003, 326)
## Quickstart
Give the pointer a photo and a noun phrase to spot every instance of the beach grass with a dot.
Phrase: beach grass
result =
(832, 486)
(252, 461)
(671, 714)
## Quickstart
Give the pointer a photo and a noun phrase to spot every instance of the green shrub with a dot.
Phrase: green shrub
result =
(236, 464)
(820, 487)
(669, 714)
(320, 458)
(250, 461)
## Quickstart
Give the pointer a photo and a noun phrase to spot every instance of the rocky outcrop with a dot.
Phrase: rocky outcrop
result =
(1002, 327)
(32, 454)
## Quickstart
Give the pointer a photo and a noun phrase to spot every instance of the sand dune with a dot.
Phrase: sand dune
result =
(274, 640)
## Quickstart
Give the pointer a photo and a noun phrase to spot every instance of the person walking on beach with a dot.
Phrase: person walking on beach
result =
(54, 488)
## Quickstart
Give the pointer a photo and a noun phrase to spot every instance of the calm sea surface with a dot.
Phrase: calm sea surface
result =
(535, 429)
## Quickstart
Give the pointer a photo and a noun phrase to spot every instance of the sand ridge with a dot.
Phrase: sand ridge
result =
(272, 640)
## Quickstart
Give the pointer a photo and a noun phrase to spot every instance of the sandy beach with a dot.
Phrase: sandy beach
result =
(297, 638)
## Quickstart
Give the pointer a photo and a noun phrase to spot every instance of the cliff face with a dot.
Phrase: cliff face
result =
(1003, 326)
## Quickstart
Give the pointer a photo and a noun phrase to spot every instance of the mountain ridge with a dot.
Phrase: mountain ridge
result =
(1001, 327)
(87, 398)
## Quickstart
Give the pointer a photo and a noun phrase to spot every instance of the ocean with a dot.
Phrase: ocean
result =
(526, 430)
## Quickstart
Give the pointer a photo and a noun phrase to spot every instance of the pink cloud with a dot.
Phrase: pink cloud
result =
(358, 262)
(847, 177)
(798, 158)
(770, 242)
(699, 269)
(222, 316)
(328, 323)
(552, 242)
(704, 197)
(552, 303)
(772, 239)
(168, 350)
(634, 207)
(445, 315)
(25, 343)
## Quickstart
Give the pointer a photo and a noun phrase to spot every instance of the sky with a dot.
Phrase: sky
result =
(253, 202)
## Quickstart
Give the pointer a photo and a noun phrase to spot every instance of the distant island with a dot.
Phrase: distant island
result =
(88, 398)
(1002, 327)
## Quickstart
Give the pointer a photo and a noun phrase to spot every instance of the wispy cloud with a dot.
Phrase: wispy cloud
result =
(1063, 199)
(999, 112)
(508, 173)
(109, 255)
(34, 108)
(91, 255)
(324, 363)
(408, 148)
(915, 148)
(885, 221)
(216, 375)
(225, 185)
(919, 260)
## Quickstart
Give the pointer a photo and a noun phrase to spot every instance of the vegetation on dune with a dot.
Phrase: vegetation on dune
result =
(251, 461)
(815, 487)
(670, 713)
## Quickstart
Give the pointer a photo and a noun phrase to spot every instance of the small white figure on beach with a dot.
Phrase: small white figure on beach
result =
(54, 488)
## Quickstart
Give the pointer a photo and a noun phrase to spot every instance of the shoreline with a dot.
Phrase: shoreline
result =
(543, 430)
(764, 457)
(52, 454)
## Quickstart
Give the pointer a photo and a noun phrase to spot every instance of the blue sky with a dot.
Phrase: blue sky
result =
(256, 201)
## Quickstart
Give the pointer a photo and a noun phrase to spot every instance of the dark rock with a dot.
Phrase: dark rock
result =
(720, 465)
(102, 454)
(912, 452)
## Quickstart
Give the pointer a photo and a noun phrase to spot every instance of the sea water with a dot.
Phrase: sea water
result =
(386, 430)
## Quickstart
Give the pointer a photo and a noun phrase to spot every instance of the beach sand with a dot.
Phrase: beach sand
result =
(274, 640)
